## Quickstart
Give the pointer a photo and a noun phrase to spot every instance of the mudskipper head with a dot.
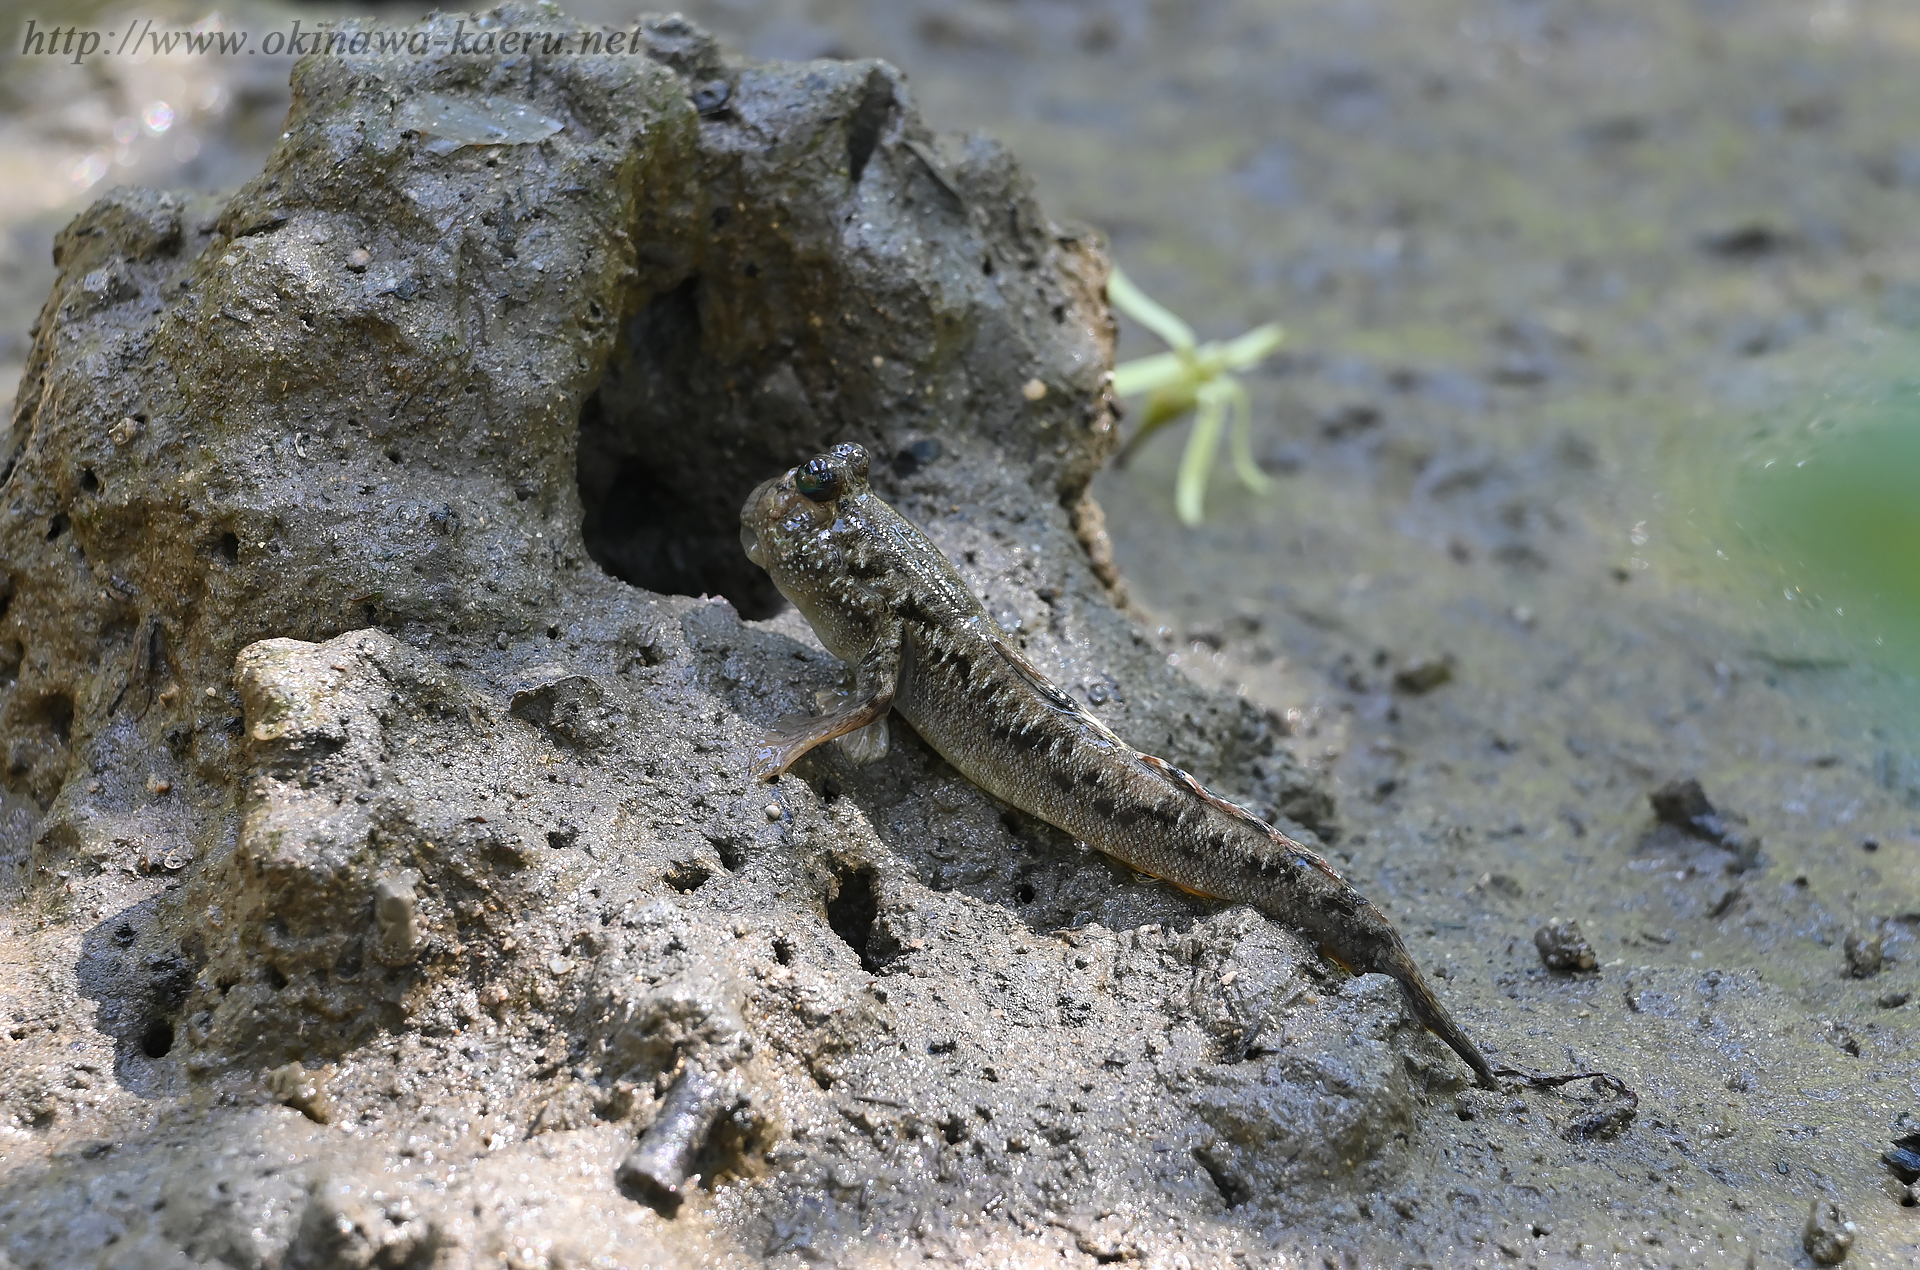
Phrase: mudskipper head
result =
(786, 525)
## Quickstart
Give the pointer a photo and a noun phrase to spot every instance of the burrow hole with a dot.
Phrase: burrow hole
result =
(852, 910)
(687, 875)
(1232, 1187)
(717, 381)
(54, 712)
(156, 1038)
(661, 501)
(732, 852)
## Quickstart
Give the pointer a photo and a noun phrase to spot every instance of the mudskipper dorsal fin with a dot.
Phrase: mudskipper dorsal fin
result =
(1185, 781)
(1038, 682)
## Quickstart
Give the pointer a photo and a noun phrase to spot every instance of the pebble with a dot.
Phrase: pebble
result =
(1424, 674)
(1563, 948)
(1828, 1234)
(294, 1086)
(772, 810)
(1864, 956)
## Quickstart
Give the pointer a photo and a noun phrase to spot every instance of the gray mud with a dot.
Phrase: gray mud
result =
(379, 665)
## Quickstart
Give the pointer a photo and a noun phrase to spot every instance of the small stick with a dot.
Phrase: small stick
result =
(1595, 1125)
(660, 1169)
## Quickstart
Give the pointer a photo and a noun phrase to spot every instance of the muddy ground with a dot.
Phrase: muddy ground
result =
(1530, 256)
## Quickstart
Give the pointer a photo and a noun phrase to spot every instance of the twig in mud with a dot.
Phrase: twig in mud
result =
(1595, 1124)
(660, 1169)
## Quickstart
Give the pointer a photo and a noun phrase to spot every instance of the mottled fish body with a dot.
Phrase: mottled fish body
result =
(883, 598)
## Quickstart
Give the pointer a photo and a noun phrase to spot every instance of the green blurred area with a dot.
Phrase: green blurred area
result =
(1832, 513)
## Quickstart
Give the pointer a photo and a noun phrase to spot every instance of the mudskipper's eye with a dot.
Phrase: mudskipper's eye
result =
(853, 457)
(817, 480)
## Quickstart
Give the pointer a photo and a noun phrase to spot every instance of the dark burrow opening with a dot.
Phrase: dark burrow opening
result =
(56, 712)
(747, 345)
(687, 876)
(853, 910)
(156, 1039)
(677, 434)
(1233, 1188)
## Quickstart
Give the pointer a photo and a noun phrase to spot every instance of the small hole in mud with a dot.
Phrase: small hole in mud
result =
(688, 876)
(57, 526)
(553, 632)
(393, 456)
(275, 980)
(56, 713)
(227, 546)
(1023, 893)
(157, 1039)
(1232, 1187)
(88, 481)
(661, 501)
(783, 951)
(853, 909)
(732, 852)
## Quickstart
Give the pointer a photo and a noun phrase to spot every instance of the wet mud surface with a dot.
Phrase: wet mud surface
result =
(382, 861)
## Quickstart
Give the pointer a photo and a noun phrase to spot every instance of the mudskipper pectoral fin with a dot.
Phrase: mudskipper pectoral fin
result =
(876, 680)
(785, 746)
(869, 744)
